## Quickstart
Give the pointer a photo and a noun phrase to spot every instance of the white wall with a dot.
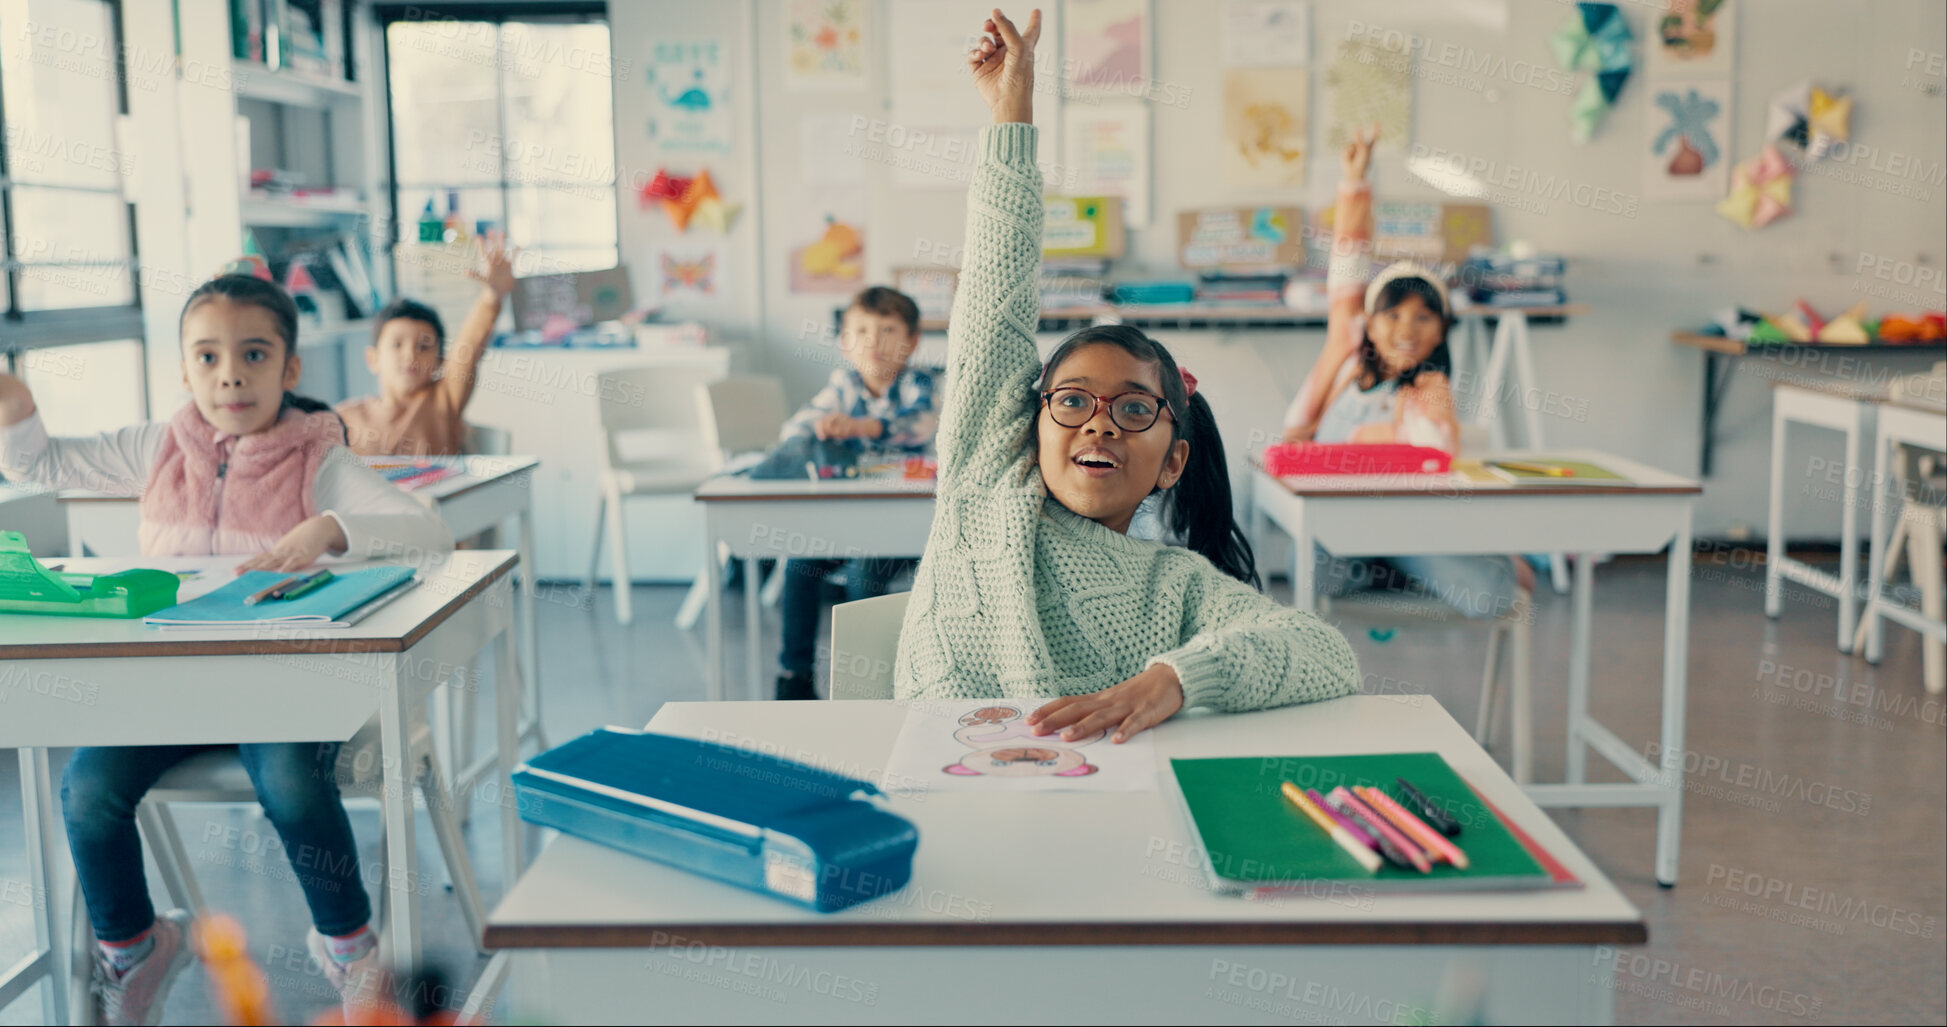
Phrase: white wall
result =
(1666, 268)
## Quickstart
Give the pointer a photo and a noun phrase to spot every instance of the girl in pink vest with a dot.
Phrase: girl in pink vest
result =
(246, 468)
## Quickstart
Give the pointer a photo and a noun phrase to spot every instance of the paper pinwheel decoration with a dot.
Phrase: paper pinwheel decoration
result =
(1809, 119)
(1761, 190)
(688, 200)
(1595, 40)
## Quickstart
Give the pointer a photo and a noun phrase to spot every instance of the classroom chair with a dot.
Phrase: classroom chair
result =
(1917, 535)
(1385, 612)
(217, 775)
(865, 639)
(740, 416)
(650, 447)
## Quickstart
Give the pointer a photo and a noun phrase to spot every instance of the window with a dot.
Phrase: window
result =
(511, 119)
(66, 229)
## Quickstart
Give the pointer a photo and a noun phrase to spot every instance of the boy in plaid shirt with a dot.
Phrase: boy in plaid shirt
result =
(877, 402)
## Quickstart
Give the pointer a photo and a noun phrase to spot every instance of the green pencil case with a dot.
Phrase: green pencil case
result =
(28, 587)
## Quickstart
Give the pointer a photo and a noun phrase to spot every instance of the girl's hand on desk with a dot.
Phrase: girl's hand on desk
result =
(1134, 706)
(1003, 67)
(300, 547)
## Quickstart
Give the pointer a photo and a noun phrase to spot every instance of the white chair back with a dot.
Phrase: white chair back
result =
(741, 415)
(485, 440)
(865, 639)
(654, 409)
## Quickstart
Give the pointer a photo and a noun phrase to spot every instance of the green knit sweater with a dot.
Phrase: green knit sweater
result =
(1019, 598)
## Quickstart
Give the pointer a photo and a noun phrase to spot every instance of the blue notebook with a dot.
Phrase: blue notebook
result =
(338, 603)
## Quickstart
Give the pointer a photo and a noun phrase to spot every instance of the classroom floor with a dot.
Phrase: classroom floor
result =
(1814, 874)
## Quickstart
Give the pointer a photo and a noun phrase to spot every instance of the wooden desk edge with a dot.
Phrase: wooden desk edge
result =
(321, 646)
(479, 483)
(1567, 932)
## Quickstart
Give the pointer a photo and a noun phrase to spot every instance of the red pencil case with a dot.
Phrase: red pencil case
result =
(1354, 458)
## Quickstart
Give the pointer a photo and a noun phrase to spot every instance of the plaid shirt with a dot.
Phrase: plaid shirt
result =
(905, 413)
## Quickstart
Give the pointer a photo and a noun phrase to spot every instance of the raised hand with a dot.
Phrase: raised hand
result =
(1003, 67)
(499, 276)
(1358, 153)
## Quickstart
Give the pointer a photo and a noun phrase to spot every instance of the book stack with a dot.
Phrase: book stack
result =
(1242, 287)
(1504, 281)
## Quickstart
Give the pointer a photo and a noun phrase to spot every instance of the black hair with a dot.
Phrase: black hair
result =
(271, 298)
(1372, 370)
(1198, 508)
(889, 302)
(411, 310)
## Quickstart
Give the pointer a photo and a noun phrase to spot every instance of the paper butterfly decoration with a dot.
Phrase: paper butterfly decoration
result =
(1595, 40)
(1761, 189)
(694, 275)
(1809, 119)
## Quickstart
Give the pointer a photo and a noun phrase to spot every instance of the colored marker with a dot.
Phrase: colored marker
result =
(1358, 833)
(258, 597)
(1364, 854)
(1414, 854)
(1426, 837)
(1428, 810)
(314, 581)
(1404, 856)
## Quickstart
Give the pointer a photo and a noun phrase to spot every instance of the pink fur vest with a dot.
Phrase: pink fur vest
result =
(212, 493)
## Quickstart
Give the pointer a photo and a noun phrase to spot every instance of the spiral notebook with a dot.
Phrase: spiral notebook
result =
(339, 603)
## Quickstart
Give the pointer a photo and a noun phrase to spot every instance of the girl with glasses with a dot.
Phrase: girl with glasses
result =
(1031, 586)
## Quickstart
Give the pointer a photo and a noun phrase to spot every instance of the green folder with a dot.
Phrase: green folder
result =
(1255, 840)
(1582, 472)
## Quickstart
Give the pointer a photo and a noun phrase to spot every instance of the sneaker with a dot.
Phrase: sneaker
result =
(360, 983)
(134, 996)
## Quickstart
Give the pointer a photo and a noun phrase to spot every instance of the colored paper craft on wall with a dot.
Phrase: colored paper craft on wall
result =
(1806, 122)
(689, 272)
(832, 256)
(824, 45)
(1265, 127)
(1596, 40)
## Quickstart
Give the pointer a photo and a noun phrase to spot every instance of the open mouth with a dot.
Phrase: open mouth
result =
(1097, 462)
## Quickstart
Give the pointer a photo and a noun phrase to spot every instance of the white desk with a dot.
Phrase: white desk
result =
(1923, 428)
(1053, 906)
(873, 516)
(1849, 412)
(86, 681)
(1369, 515)
(489, 492)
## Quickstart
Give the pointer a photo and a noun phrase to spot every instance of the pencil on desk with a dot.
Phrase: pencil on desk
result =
(1364, 854)
(1414, 828)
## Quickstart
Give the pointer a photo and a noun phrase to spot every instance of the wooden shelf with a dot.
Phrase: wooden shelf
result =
(254, 81)
(1737, 348)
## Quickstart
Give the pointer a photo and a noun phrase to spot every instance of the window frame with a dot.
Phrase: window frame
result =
(38, 329)
(499, 14)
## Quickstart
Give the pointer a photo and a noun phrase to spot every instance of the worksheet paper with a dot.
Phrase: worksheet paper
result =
(985, 745)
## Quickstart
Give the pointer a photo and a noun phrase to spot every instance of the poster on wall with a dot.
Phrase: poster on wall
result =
(1367, 84)
(1688, 148)
(1266, 33)
(1265, 127)
(689, 89)
(1692, 39)
(1107, 147)
(689, 272)
(826, 244)
(1105, 46)
(824, 45)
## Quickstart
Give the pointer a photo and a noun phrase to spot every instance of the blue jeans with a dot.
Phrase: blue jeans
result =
(1480, 587)
(295, 782)
(804, 585)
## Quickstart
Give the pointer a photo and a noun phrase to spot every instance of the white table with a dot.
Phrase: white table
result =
(1849, 412)
(490, 491)
(1899, 426)
(846, 518)
(86, 681)
(1047, 907)
(1369, 515)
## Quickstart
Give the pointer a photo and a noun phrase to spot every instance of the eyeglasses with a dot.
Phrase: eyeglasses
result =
(1130, 411)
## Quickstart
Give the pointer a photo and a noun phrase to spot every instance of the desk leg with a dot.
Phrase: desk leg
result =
(401, 841)
(1304, 589)
(1578, 666)
(50, 964)
(1676, 671)
(507, 719)
(754, 627)
(1516, 325)
(713, 609)
(1881, 560)
(1774, 542)
(530, 632)
(1498, 355)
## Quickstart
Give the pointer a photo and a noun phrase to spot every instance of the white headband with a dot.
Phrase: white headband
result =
(1407, 269)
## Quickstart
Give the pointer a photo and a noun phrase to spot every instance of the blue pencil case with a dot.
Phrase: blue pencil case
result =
(768, 824)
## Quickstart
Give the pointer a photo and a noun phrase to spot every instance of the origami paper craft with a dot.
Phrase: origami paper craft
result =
(1761, 189)
(1595, 40)
(1849, 327)
(1807, 118)
(689, 200)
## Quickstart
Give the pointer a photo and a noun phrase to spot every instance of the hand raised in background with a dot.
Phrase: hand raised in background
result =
(1358, 153)
(499, 276)
(1003, 67)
